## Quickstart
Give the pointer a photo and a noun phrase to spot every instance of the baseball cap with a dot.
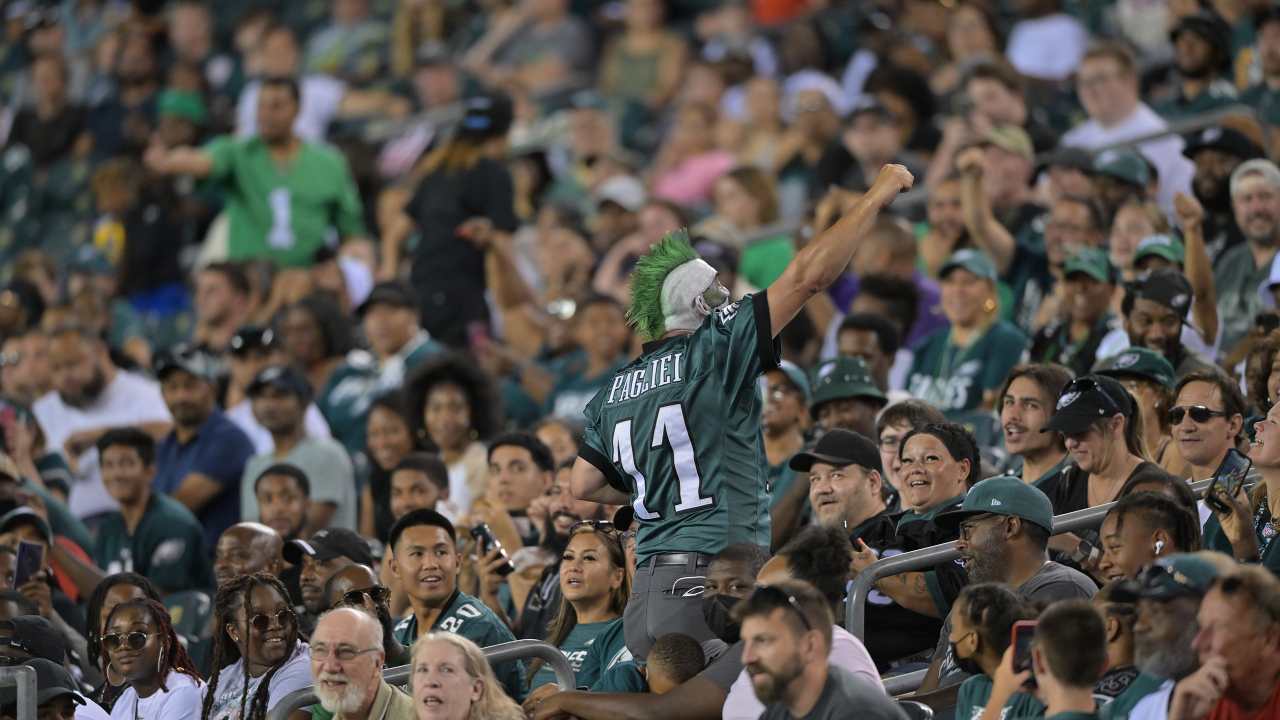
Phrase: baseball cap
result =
(20, 515)
(1002, 495)
(250, 337)
(1171, 576)
(1167, 287)
(1227, 139)
(624, 190)
(1123, 164)
(395, 293)
(486, 114)
(329, 544)
(186, 358)
(839, 447)
(52, 681)
(1068, 156)
(182, 104)
(1267, 169)
(284, 378)
(1208, 25)
(1165, 246)
(842, 378)
(34, 635)
(1085, 400)
(975, 261)
(623, 518)
(1092, 262)
(1011, 138)
(1138, 361)
(797, 377)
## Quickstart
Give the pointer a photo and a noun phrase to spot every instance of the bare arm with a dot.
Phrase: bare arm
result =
(1199, 271)
(178, 161)
(910, 590)
(821, 262)
(587, 483)
(196, 490)
(982, 225)
(367, 522)
(392, 243)
(698, 699)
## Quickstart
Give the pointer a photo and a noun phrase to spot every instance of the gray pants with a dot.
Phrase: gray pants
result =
(666, 599)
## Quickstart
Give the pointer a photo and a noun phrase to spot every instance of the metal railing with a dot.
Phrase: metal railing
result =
(905, 683)
(24, 677)
(495, 654)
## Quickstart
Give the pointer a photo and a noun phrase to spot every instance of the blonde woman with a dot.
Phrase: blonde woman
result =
(452, 680)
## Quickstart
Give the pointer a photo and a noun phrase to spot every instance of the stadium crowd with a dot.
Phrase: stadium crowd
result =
(338, 337)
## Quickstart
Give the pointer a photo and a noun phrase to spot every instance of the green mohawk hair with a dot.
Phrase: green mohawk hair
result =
(645, 313)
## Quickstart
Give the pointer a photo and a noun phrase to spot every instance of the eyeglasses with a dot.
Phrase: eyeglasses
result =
(127, 641)
(598, 525)
(1084, 385)
(968, 525)
(262, 623)
(773, 594)
(345, 653)
(378, 594)
(889, 443)
(1198, 413)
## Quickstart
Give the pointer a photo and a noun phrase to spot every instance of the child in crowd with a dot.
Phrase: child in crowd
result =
(1068, 655)
(674, 659)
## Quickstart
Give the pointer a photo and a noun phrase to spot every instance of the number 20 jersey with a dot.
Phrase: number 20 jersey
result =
(679, 430)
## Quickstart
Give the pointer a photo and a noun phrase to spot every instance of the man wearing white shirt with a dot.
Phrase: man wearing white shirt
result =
(91, 395)
(1108, 89)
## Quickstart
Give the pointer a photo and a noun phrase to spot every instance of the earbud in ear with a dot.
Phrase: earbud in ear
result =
(1159, 546)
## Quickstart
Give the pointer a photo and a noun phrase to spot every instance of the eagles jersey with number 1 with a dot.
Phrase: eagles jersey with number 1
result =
(679, 430)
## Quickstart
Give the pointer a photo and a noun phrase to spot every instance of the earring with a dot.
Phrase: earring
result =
(989, 305)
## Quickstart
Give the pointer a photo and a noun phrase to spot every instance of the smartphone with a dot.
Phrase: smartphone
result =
(30, 561)
(486, 542)
(1227, 480)
(1024, 636)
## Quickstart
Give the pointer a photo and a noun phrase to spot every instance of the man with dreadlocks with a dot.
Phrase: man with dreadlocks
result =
(676, 432)
(259, 655)
(141, 646)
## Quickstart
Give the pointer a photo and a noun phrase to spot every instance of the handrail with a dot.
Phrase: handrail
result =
(1187, 125)
(495, 654)
(901, 684)
(855, 608)
(24, 676)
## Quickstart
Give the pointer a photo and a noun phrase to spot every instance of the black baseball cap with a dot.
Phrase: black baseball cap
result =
(1208, 25)
(1068, 156)
(35, 635)
(839, 447)
(284, 378)
(486, 114)
(185, 357)
(250, 337)
(394, 293)
(1165, 286)
(52, 681)
(329, 544)
(1227, 139)
(623, 518)
(1087, 399)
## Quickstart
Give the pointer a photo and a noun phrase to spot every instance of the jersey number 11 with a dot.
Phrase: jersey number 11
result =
(669, 428)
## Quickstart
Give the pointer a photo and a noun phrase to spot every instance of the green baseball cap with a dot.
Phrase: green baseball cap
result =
(1171, 576)
(1092, 262)
(25, 515)
(1165, 246)
(182, 104)
(1011, 138)
(1001, 495)
(1138, 361)
(1123, 164)
(975, 261)
(796, 376)
(842, 378)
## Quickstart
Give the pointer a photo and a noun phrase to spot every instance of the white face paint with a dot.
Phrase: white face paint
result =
(687, 293)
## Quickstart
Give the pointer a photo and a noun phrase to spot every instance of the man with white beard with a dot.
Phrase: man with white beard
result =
(346, 665)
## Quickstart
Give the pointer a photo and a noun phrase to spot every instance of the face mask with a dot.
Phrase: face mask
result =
(968, 665)
(715, 610)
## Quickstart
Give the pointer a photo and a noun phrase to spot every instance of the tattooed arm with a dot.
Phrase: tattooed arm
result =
(910, 590)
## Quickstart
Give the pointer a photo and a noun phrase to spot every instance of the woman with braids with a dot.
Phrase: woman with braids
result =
(141, 646)
(112, 591)
(259, 655)
(594, 591)
(1141, 528)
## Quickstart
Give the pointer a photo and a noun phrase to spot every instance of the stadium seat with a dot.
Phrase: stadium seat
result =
(190, 611)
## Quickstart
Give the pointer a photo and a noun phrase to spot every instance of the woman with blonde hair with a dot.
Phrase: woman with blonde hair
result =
(452, 680)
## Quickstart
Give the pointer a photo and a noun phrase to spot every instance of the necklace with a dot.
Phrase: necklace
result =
(136, 698)
(1111, 488)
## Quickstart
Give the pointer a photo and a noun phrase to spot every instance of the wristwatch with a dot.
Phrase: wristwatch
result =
(1084, 552)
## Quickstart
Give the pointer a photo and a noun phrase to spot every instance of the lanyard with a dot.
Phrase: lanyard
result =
(943, 373)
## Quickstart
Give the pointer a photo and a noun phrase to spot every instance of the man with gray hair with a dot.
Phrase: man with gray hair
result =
(1240, 271)
(346, 665)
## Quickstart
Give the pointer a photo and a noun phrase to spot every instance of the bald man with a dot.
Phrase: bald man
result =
(245, 549)
(374, 598)
(346, 666)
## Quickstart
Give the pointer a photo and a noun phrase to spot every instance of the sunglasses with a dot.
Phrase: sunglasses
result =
(285, 618)
(1198, 413)
(1084, 385)
(777, 595)
(377, 594)
(597, 525)
(126, 641)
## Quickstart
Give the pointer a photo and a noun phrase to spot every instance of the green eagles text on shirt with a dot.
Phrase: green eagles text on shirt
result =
(284, 213)
(468, 617)
(975, 692)
(167, 546)
(953, 378)
(576, 647)
(624, 677)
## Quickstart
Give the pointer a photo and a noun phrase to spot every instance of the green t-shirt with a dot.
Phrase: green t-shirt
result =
(952, 378)
(284, 213)
(468, 617)
(1123, 704)
(975, 692)
(624, 677)
(1219, 94)
(679, 430)
(1265, 100)
(763, 262)
(575, 648)
(574, 390)
(167, 546)
(607, 652)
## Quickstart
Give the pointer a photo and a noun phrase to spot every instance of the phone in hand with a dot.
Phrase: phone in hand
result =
(486, 542)
(1227, 480)
(1024, 636)
(30, 561)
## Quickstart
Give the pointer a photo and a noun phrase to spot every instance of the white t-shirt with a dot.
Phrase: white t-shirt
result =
(127, 400)
(182, 702)
(91, 710)
(294, 675)
(242, 415)
(1154, 706)
(1165, 152)
(321, 96)
(1047, 48)
(847, 651)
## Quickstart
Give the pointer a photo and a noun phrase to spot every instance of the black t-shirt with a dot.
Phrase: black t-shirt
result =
(447, 270)
(1221, 233)
(844, 695)
(541, 605)
(380, 489)
(1069, 491)
(48, 140)
(1043, 137)
(1053, 344)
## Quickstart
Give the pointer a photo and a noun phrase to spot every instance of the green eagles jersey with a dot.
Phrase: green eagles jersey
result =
(284, 213)
(679, 430)
(971, 701)
(468, 617)
(1123, 704)
(624, 677)
(608, 650)
(575, 648)
(167, 546)
(953, 378)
